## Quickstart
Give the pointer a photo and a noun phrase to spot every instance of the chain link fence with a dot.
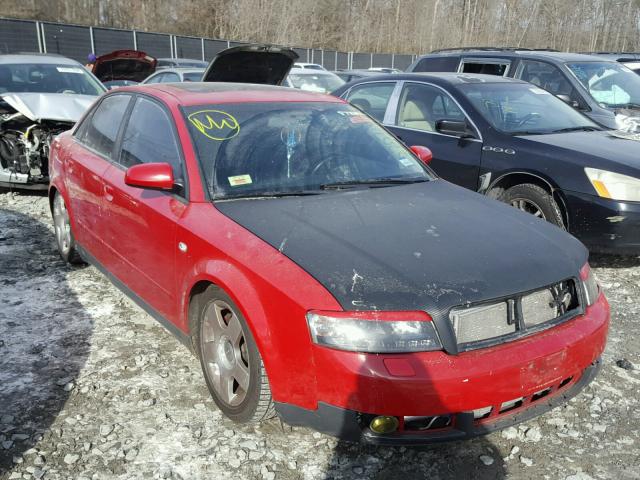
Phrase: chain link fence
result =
(76, 41)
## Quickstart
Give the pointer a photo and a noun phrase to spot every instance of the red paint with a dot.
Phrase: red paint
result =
(150, 175)
(423, 153)
(135, 232)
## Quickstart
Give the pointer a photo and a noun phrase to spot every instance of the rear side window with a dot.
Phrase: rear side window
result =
(372, 98)
(485, 67)
(149, 138)
(437, 64)
(102, 127)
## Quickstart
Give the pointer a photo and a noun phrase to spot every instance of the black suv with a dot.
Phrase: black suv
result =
(603, 89)
(517, 143)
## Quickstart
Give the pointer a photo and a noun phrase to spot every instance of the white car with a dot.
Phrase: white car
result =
(313, 80)
(309, 66)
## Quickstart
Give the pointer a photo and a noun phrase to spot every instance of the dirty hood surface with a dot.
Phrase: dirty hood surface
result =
(421, 246)
(63, 107)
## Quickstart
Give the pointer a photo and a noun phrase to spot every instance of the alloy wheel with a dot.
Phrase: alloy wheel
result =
(62, 224)
(529, 207)
(225, 353)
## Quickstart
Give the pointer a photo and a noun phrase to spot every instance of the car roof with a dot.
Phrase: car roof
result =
(440, 78)
(310, 71)
(36, 58)
(202, 93)
(548, 55)
(180, 70)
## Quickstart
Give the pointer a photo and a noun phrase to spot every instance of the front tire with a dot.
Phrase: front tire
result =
(230, 360)
(64, 236)
(534, 200)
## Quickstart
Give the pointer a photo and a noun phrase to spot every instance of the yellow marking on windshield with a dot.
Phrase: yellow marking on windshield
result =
(215, 124)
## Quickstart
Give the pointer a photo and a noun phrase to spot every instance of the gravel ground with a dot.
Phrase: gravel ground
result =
(92, 387)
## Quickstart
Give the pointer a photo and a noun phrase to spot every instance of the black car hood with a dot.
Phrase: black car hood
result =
(262, 64)
(606, 145)
(421, 246)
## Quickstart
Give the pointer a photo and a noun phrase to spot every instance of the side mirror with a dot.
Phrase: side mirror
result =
(423, 153)
(453, 127)
(157, 176)
(568, 100)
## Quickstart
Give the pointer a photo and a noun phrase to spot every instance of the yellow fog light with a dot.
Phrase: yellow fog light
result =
(384, 424)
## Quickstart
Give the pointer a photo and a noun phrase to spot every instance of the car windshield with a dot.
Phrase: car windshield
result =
(276, 149)
(47, 78)
(315, 82)
(519, 108)
(611, 84)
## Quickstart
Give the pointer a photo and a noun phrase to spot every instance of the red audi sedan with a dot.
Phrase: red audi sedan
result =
(319, 269)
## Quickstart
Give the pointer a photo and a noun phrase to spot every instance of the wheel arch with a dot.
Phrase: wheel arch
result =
(510, 179)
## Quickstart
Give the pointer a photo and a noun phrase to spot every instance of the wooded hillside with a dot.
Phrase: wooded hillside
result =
(399, 26)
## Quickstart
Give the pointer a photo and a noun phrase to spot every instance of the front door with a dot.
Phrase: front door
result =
(143, 222)
(420, 106)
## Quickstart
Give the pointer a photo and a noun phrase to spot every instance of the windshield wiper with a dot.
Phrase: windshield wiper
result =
(626, 105)
(576, 129)
(372, 181)
(527, 132)
(297, 193)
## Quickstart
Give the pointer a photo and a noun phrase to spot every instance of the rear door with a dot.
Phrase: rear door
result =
(85, 164)
(142, 222)
(413, 117)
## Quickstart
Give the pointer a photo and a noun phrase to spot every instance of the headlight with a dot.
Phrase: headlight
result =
(589, 284)
(374, 332)
(614, 185)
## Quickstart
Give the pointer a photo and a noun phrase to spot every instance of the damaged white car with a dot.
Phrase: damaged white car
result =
(40, 97)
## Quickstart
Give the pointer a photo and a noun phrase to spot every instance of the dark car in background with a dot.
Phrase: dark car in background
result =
(606, 91)
(518, 143)
(349, 75)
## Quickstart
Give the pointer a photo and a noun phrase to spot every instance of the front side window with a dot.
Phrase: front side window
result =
(609, 83)
(372, 98)
(520, 108)
(546, 76)
(270, 149)
(149, 137)
(99, 131)
(485, 67)
(170, 77)
(192, 76)
(48, 78)
(421, 106)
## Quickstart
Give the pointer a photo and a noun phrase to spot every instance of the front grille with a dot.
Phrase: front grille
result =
(478, 326)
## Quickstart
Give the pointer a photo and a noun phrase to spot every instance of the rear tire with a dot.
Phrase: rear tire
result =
(230, 360)
(534, 200)
(64, 236)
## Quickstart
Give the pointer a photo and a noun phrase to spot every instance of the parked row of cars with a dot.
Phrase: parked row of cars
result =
(321, 261)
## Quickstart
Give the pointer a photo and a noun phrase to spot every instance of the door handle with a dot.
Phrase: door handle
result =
(108, 193)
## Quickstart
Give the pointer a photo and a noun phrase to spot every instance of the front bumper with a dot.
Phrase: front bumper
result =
(508, 384)
(604, 225)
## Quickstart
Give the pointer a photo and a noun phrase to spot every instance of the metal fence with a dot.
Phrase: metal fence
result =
(76, 41)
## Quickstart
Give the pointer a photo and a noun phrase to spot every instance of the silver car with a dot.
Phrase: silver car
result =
(40, 97)
(171, 75)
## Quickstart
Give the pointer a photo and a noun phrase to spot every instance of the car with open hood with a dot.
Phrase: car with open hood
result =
(517, 143)
(319, 269)
(40, 96)
(123, 67)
